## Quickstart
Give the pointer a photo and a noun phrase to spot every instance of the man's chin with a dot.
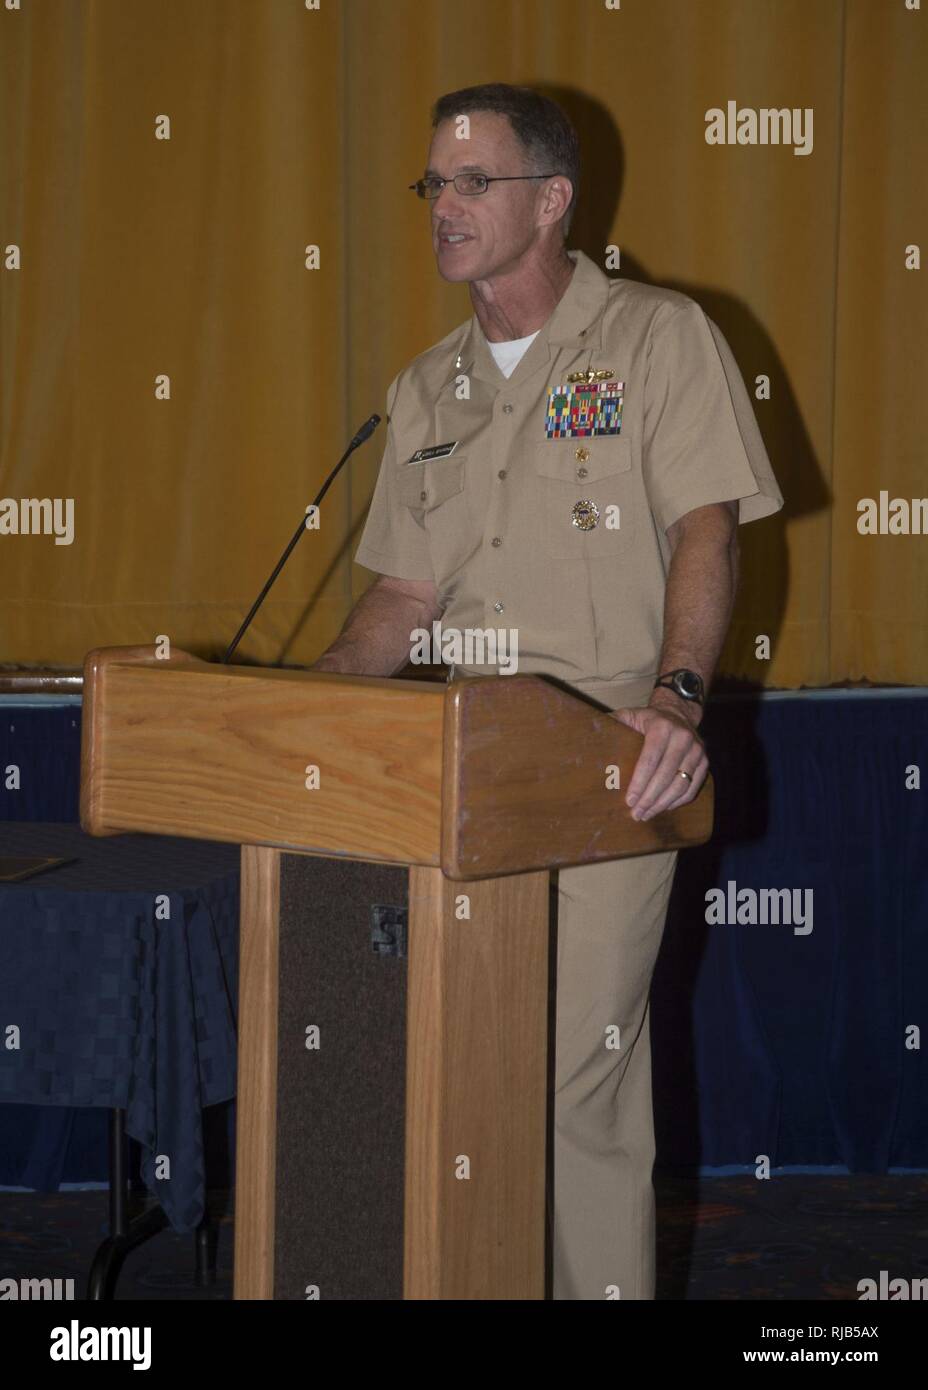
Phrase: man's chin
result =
(455, 274)
(457, 266)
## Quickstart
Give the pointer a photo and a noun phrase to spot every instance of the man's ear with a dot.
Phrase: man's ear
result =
(557, 195)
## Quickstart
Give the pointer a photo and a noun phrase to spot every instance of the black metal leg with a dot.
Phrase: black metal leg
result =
(119, 1174)
(207, 1239)
(124, 1235)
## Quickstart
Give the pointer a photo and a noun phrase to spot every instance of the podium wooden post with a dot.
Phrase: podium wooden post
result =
(391, 1121)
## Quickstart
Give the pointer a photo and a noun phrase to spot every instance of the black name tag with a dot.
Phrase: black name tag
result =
(437, 451)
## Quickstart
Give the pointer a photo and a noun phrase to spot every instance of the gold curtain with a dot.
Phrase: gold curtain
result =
(144, 259)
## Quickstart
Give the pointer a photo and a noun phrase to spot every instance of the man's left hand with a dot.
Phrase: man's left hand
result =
(671, 744)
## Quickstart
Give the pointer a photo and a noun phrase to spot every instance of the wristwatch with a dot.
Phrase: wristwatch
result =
(687, 684)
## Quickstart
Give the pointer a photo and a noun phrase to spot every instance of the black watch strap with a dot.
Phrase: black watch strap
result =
(685, 683)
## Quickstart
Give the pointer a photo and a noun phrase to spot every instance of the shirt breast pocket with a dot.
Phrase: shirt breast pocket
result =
(585, 497)
(425, 486)
(434, 493)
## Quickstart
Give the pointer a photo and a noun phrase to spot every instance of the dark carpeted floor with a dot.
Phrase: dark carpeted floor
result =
(795, 1236)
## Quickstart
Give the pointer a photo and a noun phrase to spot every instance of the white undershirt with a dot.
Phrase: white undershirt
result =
(509, 355)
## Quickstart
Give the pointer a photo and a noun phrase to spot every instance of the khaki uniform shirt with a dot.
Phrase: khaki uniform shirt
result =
(493, 523)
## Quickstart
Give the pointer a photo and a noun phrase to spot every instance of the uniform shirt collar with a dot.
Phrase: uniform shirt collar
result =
(575, 322)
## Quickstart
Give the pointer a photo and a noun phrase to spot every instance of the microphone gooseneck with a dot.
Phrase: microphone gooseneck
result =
(363, 434)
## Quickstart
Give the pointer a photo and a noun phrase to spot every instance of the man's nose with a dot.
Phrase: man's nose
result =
(447, 203)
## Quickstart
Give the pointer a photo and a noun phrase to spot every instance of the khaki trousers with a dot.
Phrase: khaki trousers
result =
(610, 924)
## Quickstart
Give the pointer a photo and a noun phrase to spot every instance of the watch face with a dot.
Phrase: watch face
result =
(688, 682)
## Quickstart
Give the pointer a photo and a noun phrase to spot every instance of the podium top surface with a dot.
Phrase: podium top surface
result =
(482, 777)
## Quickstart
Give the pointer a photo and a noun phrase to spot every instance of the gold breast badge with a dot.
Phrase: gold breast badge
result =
(591, 375)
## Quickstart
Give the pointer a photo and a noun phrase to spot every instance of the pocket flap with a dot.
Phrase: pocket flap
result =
(425, 485)
(608, 454)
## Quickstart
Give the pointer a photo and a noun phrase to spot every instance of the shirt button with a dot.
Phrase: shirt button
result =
(497, 607)
(582, 472)
(496, 541)
(423, 496)
(501, 473)
(507, 409)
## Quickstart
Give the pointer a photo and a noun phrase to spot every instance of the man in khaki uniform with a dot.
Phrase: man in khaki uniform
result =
(599, 526)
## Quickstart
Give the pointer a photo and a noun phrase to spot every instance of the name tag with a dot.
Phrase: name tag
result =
(437, 451)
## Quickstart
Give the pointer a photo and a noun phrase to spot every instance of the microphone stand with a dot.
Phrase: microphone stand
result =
(363, 434)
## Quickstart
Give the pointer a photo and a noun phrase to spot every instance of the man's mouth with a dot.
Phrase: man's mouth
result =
(453, 238)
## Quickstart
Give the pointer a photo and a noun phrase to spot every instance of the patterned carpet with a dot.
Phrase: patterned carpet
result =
(796, 1236)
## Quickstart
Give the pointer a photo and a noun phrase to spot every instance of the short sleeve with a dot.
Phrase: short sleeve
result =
(700, 439)
(392, 541)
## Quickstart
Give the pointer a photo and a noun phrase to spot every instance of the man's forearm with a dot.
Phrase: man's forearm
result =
(698, 602)
(375, 639)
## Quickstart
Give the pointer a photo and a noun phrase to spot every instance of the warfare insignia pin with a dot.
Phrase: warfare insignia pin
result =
(603, 374)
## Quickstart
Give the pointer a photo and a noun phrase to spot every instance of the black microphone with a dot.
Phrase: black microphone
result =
(363, 434)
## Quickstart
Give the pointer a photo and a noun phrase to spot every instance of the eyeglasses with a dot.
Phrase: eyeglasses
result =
(468, 184)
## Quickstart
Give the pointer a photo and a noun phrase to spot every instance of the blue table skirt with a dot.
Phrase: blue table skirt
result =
(119, 973)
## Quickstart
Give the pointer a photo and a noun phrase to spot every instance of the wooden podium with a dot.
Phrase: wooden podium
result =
(393, 1021)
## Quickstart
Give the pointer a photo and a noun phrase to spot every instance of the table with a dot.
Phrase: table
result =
(120, 974)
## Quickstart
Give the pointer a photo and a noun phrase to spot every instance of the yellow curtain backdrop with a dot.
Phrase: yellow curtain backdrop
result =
(130, 260)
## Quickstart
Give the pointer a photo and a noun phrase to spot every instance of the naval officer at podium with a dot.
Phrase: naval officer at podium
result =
(570, 465)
